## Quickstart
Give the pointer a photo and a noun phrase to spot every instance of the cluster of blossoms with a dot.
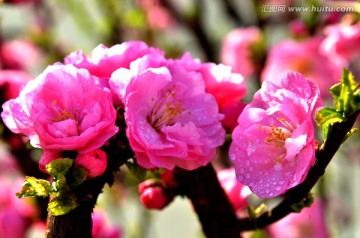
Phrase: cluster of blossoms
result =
(172, 118)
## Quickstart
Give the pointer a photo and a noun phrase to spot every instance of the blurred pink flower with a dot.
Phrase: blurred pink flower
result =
(11, 81)
(101, 227)
(171, 120)
(20, 54)
(64, 108)
(304, 57)
(309, 223)
(157, 16)
(236, 192)
(273, 146)
(342, 41)
(238, 50)
(94, 161)
(15, 213)
(228, 88)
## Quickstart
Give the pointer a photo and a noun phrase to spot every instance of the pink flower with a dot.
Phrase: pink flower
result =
(238, 50)
(236, 192)
(64, 108)
(304, 57)
(171, 120)
(11, 81)
(228, 88)
(153, 195)
(157, 16)
(20, 54)
(94, 161)
(273, 146)
(101, 227)
(309, 223)
(104, 61)
(342, 41)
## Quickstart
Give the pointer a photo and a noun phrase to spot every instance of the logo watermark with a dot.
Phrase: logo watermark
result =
(275, 8)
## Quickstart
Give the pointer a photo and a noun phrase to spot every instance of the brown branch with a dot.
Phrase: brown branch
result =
(78, 223)
(215, 213)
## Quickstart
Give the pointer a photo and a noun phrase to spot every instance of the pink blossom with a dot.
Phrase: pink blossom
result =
(104, 61)
(228, 88)
(101, 227)
(171, 120)
(20, 54)
(64, 108)
(94, 161)
(237, 50)
(236, 192)
(342, 41)
(305, 58)
(158, 17)
(11, 81)
(153, 195)
(273, 146)
(309, 223)
(14, 212)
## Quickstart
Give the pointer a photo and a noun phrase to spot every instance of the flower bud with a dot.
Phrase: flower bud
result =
(95, 162)
(153, 194)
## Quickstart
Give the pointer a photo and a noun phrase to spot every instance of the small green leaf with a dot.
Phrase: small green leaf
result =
(136, 170)
(259, 234)
(80, 174)
(326, 117)
(59, 184)
(61, 205)
(344, 93)
(306, 202)
(34, 187)
(59, 166)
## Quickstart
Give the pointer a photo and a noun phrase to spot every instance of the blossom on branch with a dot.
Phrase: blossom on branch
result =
(171, 120)
(228, 88)
(63, 109)
(273, 146)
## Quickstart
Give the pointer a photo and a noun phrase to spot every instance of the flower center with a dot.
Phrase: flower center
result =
(62, 114)
(167, 109)
(278, 135)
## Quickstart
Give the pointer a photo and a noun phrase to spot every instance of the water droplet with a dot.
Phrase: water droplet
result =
(240, 178)
(267, 191)
(278, 188)
(248, 176)
(247, 163)
(281, 182)
(242, 170)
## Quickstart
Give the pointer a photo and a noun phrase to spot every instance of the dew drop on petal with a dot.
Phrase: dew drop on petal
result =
(278, 188)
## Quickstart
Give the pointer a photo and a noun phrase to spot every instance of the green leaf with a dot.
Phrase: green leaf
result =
(59, 166)
(259, 234)
(34, 187)
(326, 117)
(80, 174)
(136, 170)
(59, 184)
(344, 93)
(306, 202)
(61, 205)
